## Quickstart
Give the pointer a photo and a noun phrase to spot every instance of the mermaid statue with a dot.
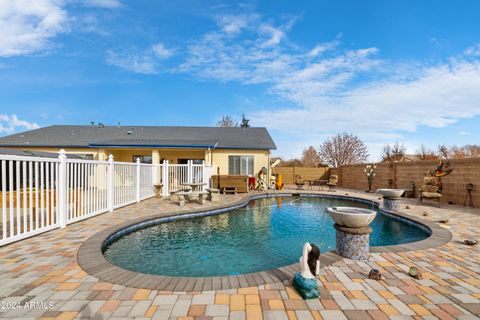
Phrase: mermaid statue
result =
(305, 282)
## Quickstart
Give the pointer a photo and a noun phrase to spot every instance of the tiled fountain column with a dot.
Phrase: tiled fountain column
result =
(391, 204)
(353, 243)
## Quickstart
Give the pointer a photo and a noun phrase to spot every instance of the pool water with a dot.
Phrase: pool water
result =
(268, 233)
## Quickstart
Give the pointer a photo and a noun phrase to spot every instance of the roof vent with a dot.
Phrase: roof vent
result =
(129, 132)
(101, 125)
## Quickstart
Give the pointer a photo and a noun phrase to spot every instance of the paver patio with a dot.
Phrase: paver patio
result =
(44, 269)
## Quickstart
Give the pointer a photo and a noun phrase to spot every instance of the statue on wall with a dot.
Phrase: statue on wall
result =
(441, 170)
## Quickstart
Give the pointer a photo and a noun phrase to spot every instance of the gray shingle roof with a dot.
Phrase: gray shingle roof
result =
(142, 136)
(26, 153)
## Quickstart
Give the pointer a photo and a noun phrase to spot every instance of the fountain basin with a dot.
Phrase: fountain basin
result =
(391, 193)
(351, 217)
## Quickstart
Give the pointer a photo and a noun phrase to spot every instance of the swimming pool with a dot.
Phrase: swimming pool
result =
(268, 233)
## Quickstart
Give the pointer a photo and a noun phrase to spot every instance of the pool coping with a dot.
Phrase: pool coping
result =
(91, 259)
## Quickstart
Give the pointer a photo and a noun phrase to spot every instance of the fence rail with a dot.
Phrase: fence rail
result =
(40, 194)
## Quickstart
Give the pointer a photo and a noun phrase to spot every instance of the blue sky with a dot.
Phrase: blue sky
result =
(387, 71)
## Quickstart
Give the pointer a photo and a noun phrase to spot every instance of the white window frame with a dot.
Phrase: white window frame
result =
(243, 159)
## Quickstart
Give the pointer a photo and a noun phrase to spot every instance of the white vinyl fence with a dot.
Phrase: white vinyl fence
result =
(40, 194)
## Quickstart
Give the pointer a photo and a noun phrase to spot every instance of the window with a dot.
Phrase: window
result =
(240, 165)
(143, 159)
(85, 156)
(194, 161)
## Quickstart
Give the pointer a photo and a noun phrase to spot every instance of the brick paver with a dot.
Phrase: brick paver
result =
(43, 271)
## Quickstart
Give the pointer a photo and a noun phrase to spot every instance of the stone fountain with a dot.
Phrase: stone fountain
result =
(353, 231)
(391, 199)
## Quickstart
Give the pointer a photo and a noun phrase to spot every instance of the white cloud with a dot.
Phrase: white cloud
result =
(473, 50)
(437, 97)
(322, 47)
(233, 24)
(275, 35)
(140, 61)
(11, 123)
(109, 4)
(344, 90)
(255, 57)
(27, 26)
(134, 62)
(464, 133)
(161, 51)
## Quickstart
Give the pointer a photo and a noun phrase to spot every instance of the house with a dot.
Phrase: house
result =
(229, 150)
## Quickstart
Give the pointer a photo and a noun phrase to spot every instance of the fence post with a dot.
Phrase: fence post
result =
(110, 187)
(204, 176)
(189, 171)
(165, 190)
(62, 189)
(138, 180)
(155, 168)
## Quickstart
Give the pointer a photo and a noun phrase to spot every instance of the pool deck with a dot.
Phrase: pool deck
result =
(45, 269)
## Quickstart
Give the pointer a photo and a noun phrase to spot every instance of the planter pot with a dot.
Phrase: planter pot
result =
(158, 190)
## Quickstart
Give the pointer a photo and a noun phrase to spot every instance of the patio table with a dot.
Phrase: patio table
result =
(196, 186)
(316, 182)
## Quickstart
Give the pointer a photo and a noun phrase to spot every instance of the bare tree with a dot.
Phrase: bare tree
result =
(291, 163)
(227, 121)
(467, 151)
(456, 152)
(443, 151)
(310, 157)
(343, 149)
(424, 153)
(473, 151)
(393, 153)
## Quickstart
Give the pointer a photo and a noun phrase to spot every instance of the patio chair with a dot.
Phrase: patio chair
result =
(431, 189)
(409, 190)
(299, 182)
(213, 194)
(332, 182)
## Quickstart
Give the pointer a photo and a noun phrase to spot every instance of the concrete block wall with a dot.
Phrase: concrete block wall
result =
(401, 173)
(289, 173)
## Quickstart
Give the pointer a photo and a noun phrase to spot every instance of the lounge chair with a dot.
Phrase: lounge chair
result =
(431, 189)
(299, 182)
(332, 182)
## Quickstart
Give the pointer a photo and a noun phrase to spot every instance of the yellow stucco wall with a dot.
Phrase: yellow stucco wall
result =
(173, 155)
(158, 155)
(220, 159)
(127, 155)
